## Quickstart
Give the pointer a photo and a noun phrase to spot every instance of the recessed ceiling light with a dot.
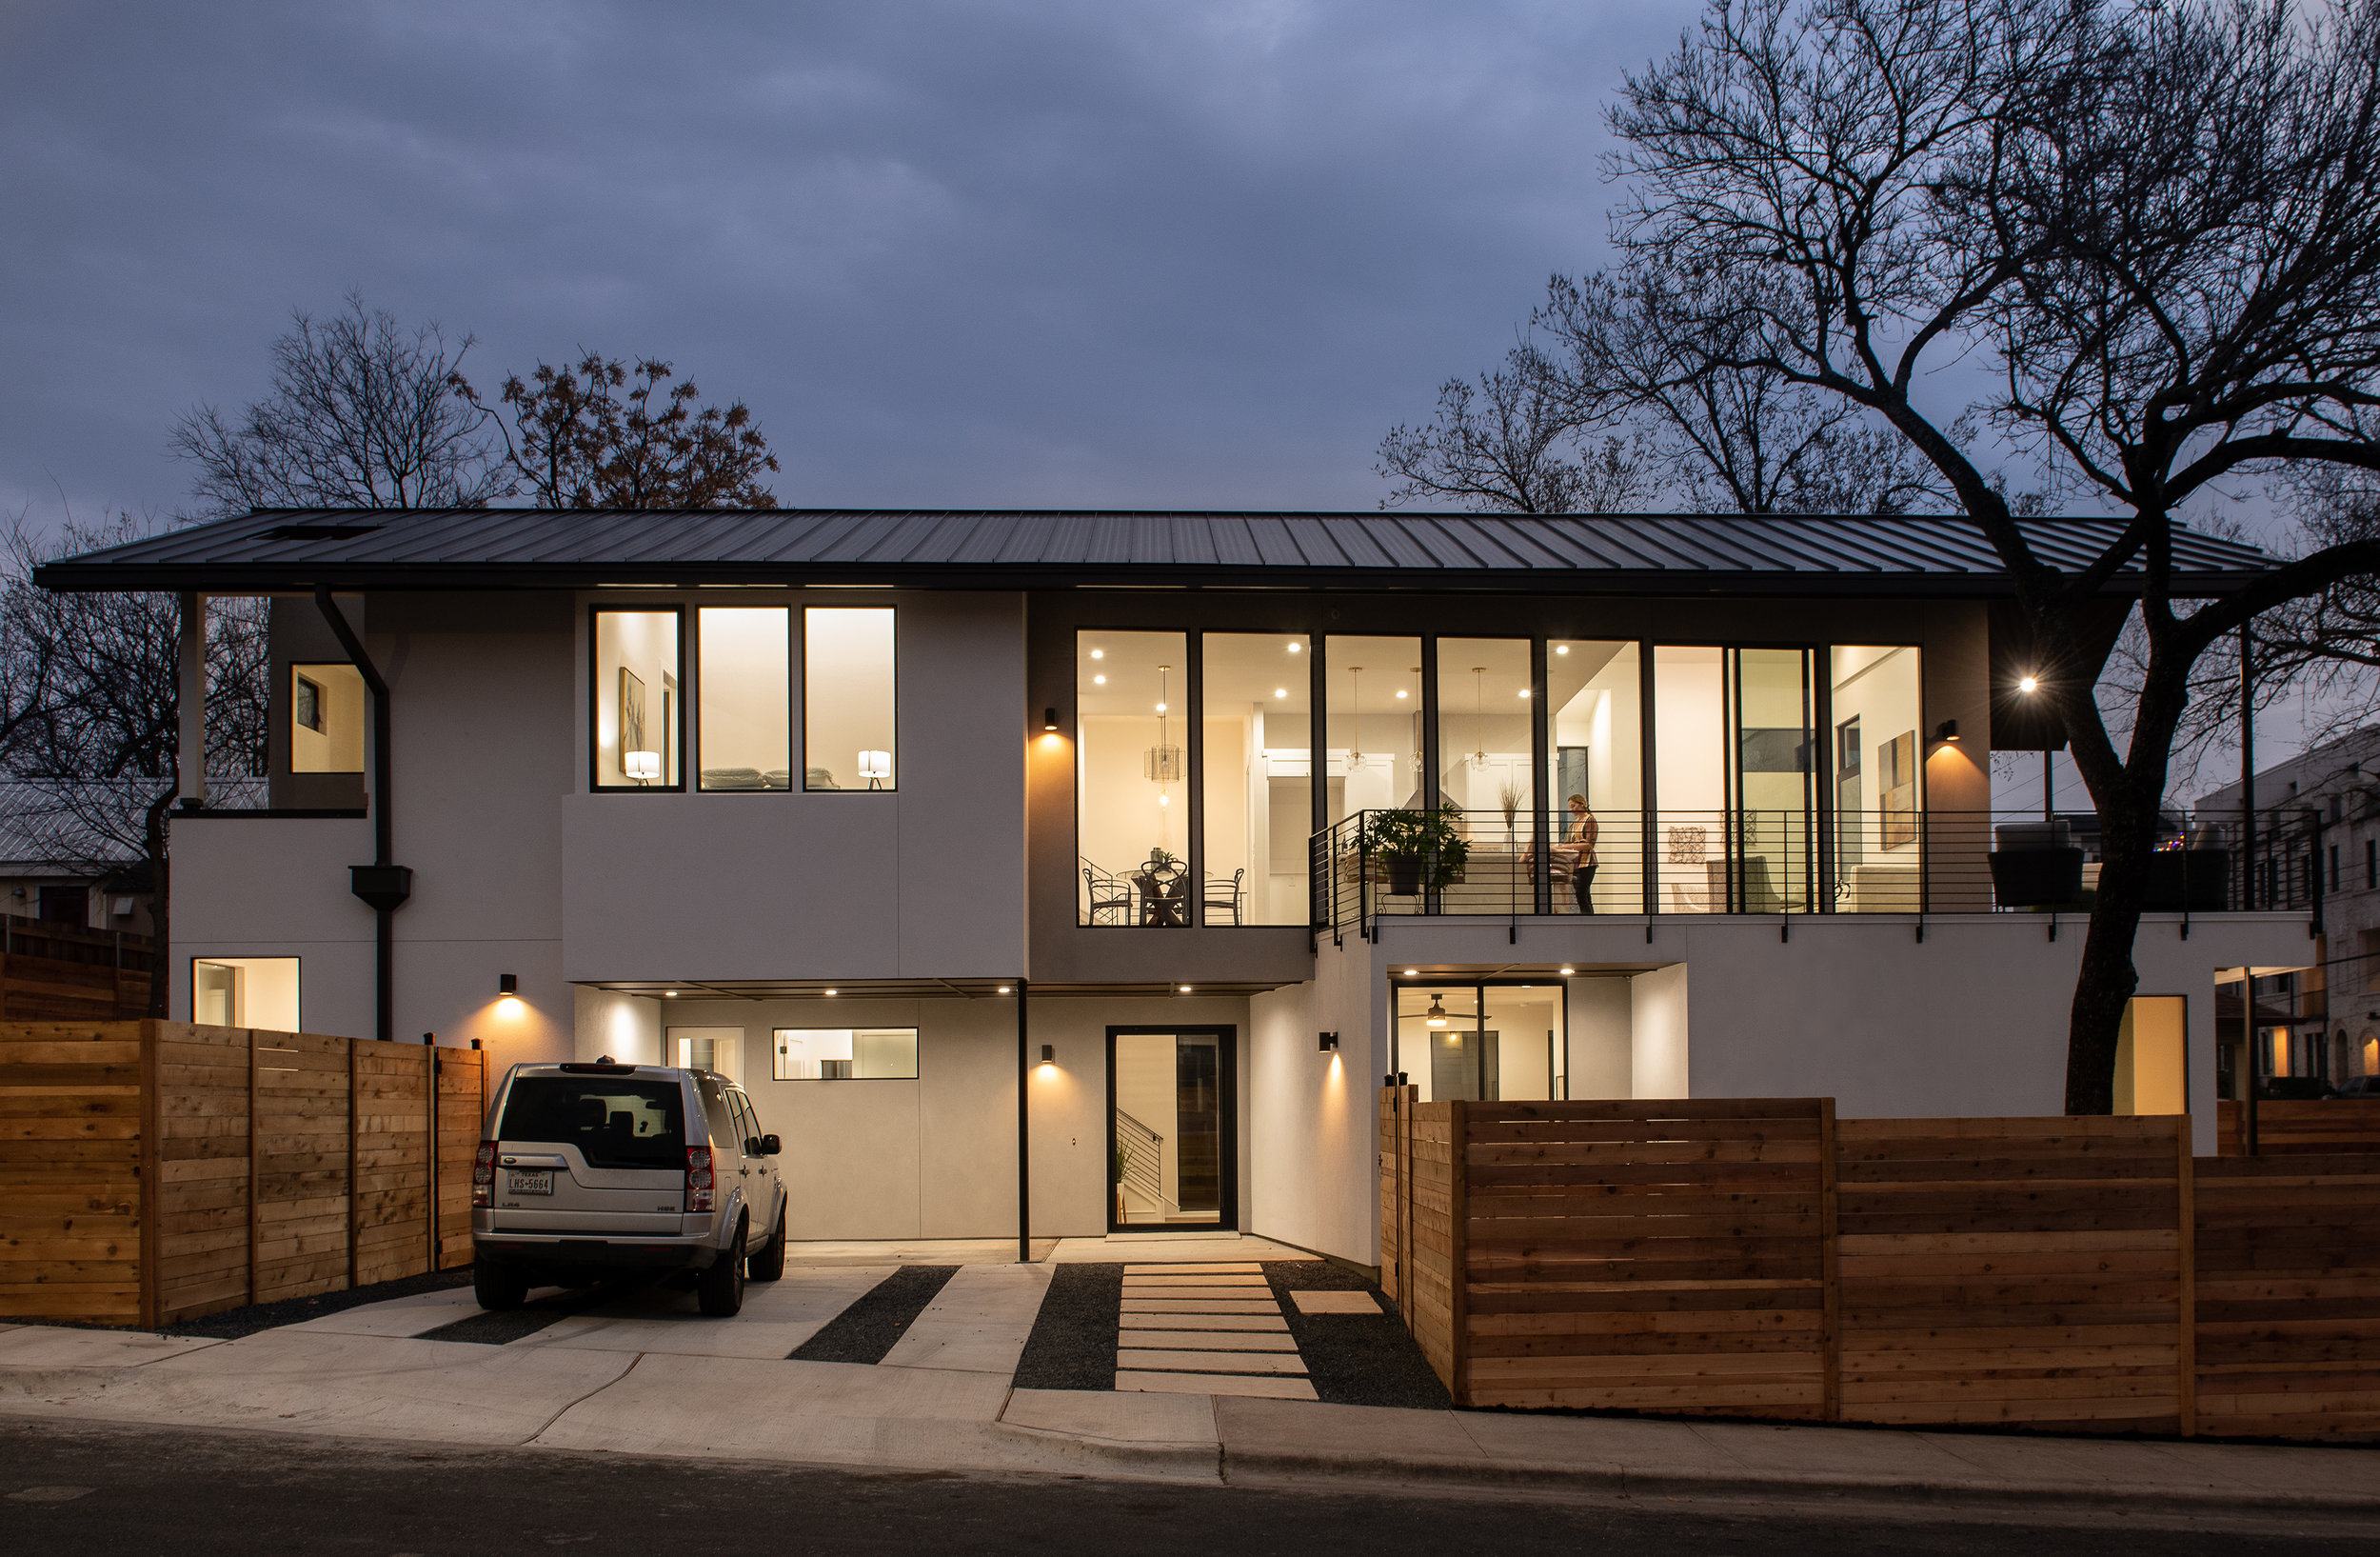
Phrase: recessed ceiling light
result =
(1098, 681)
(1185, 989)
(1099, 654)
(669, 994)
(1161, 707)
(1561, 648)
(1295, 648)
(1566, 973)
(1524, 691)
(1401, 691)
(1413, 973)
(1280, 691)
(1003, 989)
(831, 991)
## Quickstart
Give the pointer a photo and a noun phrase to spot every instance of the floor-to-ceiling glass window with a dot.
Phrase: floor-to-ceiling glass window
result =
(637, 670)
(1877, 751)
(1690, 778)
(1132, 778)
(1486, 770)
(1775, 838)
(1595, 776)
(1372, 725)
(1259, 764)
(1482, 1042)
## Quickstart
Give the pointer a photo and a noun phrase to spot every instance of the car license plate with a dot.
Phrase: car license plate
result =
(523, 1181)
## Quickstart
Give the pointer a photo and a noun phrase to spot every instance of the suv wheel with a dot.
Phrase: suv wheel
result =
(769, 1264)
(721, 1285)
(498, 1287)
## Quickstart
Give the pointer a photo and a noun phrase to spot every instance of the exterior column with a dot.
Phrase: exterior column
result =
(190, 707)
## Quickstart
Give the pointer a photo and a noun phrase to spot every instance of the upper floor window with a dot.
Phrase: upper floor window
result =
(638, 670)
(326, 705)
(1372, 724)
(1132, 777)
(1258, 737)
(746, 730)
(847, 697)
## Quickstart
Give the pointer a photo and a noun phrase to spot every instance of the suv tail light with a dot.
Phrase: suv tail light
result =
(698, 1178)
(483, 1176)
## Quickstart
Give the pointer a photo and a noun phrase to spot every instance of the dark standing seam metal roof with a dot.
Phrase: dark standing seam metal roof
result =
(450, 548)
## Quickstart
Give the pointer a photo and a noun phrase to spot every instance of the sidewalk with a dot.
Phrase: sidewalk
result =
(339, 1380)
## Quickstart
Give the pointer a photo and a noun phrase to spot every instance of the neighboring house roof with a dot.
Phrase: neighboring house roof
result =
(448, 548)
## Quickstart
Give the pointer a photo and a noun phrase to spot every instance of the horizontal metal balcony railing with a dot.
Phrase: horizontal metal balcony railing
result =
(1386, 864)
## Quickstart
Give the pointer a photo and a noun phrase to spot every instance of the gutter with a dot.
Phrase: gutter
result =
(382, 884)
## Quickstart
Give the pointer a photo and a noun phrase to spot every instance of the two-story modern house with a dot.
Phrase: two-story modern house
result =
(1120, 855)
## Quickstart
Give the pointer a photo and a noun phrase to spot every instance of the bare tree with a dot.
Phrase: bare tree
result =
(1635, 347)
(362, 413)
(2161, 225)
(1497, 448)
(603, 434)
(90, 756)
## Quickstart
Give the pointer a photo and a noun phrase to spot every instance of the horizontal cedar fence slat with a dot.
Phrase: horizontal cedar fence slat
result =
(1760, 1258)
(154, 1172)
(2300, 1126)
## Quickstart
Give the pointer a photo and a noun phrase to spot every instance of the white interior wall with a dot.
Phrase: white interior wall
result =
(1601, 1048)
(338, 747)
(1658, 1030)
(645, 645)
(849, 690)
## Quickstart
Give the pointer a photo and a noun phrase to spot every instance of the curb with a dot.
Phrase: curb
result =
(1169, 1462)
(1610, 1479)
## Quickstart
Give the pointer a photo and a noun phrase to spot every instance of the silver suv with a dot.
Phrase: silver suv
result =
(604, 1168)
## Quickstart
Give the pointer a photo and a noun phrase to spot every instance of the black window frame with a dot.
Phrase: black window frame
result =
(594, 697)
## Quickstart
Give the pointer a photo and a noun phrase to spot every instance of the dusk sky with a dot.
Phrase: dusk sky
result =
(970, 254)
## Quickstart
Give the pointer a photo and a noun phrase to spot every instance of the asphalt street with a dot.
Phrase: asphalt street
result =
(75, 1489)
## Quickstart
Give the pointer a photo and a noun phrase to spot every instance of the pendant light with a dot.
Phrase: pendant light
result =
(1437, 1015)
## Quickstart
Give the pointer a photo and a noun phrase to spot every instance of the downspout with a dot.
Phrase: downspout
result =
(381, 884)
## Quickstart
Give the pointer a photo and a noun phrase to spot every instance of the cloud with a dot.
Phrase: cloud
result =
(973, 254)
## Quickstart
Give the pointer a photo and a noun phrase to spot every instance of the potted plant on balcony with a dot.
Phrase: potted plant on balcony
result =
(1422, 850)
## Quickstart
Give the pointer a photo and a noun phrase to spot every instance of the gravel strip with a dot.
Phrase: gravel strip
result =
(867, 1331)
(1354, 1359)
(1073, 1344)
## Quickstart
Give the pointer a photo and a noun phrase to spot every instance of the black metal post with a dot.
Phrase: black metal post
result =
(1550, 801)
(1648, 866)
(1024, 1149)
(2248, 775)
(384, 916)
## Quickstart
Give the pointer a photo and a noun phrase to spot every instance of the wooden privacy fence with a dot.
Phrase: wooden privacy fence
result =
(2299, 1127)
(64, 973)
(1759, 1257)
(152, 1171)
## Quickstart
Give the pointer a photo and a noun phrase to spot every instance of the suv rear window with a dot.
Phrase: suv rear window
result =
(614, 1123)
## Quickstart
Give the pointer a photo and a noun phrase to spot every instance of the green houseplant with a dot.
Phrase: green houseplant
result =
(1423, 850)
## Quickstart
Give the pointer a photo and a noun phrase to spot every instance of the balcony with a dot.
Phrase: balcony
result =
(1381, 864)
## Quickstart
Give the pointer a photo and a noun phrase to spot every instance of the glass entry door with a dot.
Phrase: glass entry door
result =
(1171, 1129)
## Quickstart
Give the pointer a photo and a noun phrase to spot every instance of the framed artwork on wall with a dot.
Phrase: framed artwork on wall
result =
(1896, 764)
(631, 717)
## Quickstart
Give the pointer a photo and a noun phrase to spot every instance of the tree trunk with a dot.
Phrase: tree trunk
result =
(2107, 978)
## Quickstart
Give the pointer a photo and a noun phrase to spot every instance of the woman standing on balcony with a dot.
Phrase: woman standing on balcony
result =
(1577, 844)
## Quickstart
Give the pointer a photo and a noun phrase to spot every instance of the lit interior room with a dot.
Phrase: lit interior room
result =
(1482, 1042)
(745, 728)
(1132, 778)
(1258, 762)
(637, 668)
(1595, 778)
(1168, 1127)
(1878, 778)
(849, 659)
(1372, 724)
(246, 992)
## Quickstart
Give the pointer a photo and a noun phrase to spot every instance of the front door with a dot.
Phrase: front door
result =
(1171, 1129)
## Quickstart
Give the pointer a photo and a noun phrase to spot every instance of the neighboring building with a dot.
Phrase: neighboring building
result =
(803, 796)
(94, 884)
(2322, 1024)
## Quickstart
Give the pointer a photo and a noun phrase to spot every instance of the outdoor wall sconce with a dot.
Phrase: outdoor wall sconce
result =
(1049, 1053)
(1329, 1043)
(644, 766)
(1947, 732)
(1049, 721)
(507, 984)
